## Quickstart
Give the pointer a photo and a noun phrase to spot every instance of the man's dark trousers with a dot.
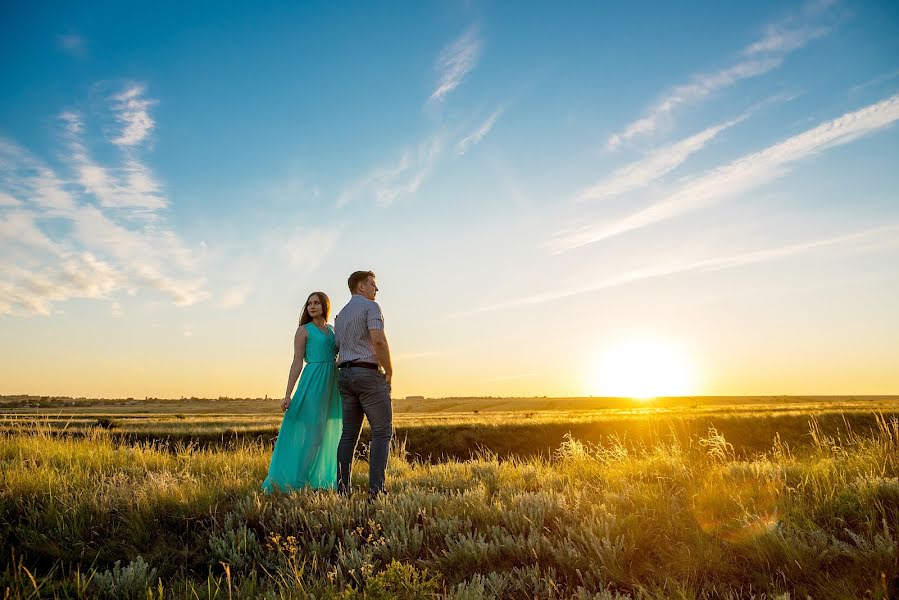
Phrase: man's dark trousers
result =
(364, 392)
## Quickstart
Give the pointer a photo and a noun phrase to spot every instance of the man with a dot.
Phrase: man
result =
(364, 388)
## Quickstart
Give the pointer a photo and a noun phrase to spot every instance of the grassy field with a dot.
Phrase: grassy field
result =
(562, 498)
(455, 428)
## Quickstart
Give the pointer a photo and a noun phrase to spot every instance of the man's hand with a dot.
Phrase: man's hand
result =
(285, 404)
(382, 351)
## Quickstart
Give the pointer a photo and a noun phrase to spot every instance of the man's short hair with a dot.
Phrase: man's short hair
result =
(357, 278)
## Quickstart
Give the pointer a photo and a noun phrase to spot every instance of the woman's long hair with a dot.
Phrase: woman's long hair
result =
(326, 307)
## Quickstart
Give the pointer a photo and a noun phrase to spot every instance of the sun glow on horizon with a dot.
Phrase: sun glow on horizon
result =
(644, 368)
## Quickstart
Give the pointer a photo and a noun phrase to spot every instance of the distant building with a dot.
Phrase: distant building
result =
(415, 397)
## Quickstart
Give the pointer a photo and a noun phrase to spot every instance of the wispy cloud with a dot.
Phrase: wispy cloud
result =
(874, 82)
(150, 256)
(306, 249)
(455, 62)
(872, 237)
(641, 173)
(759, 57)
(132, 113)
(296, 248)
(39, 271)
(74, 237)
(780, 38)
(129, 186)
(24, 177)
(388, 183)
(75, 275)
(7, 200)
(21, 236)
(743, 174)
(701, 87)
(478, 134)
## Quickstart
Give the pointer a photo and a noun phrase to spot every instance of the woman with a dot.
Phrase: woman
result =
(305, 453)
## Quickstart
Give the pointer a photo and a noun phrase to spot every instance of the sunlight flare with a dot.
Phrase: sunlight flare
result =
(644, 368)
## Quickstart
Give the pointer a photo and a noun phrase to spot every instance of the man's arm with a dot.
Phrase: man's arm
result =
(382, 351)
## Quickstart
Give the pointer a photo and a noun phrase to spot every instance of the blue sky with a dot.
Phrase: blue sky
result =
(533, 184)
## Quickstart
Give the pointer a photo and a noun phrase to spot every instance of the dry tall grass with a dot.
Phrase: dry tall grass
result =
(81, 517)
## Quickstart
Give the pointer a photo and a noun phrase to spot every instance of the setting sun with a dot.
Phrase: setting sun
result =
(644, 368)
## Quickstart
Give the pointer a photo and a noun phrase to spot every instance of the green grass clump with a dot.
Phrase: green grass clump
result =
(675, 518)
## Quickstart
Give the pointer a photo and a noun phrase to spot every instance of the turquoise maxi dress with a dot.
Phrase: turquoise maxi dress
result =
(305, 453)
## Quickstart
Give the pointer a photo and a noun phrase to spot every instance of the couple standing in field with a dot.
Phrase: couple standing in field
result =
(323, 418)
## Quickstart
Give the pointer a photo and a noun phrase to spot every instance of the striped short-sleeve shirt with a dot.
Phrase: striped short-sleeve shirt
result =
(351, 327)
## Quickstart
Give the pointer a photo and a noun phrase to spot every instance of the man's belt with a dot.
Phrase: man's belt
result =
(364, 365)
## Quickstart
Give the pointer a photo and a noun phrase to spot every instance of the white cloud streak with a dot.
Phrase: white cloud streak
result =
(131, 112)
(760, 57)
(782, 39)
(7, 200)
(641, 173)
(386, 184)
(295, 249)
(477, 135)
(306, 249)
(874, 82)
(20, 235)
(130, 186)
(77, 240)
(148, 255)
(455, 62)
(77, 275)
(872, 236)
(743, 174)
(24, 177)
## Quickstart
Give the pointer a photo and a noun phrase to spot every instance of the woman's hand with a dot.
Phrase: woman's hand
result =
(285, 404)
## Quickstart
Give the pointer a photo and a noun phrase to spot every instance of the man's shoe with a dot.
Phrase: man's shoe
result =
(374, 495)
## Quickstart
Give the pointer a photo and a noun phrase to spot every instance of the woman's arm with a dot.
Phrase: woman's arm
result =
(299, 351)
